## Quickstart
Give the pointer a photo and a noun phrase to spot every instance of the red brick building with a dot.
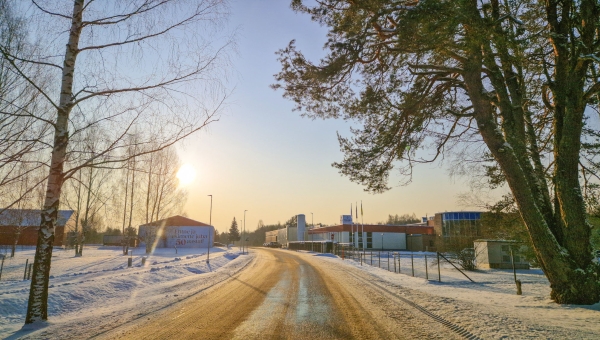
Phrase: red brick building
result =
(22, 225)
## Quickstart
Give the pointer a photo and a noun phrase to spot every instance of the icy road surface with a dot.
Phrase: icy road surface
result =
(285, 295)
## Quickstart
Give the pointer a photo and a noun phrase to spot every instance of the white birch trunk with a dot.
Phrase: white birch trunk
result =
(37, 307)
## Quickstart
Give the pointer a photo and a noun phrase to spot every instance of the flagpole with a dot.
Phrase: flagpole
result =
(351, 226)
(355, 235)
(356, 224)
(363, 227)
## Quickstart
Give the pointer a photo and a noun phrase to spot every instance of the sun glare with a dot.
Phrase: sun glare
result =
(186, 174)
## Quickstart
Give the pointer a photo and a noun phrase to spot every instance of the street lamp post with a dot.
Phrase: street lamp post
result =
(209, 231)
(243, 233)
(312, 226)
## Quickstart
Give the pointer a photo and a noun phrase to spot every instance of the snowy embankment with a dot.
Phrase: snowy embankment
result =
(100, 285)
(489, 307)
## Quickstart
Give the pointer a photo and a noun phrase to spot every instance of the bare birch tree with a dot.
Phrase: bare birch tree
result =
(23, 127)
(164, 197)
(109, 77)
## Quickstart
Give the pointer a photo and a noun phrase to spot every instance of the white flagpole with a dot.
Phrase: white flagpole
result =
(363, 227)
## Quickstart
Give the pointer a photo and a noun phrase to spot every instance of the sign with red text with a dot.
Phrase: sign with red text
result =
(188, 237)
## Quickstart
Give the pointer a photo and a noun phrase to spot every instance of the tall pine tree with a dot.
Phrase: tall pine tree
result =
(234, 232)
(513, 78)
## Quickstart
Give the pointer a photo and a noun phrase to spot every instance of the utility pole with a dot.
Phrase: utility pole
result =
(209, 230)
(243, 239)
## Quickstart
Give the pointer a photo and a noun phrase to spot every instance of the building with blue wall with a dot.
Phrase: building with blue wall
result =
(457, 229)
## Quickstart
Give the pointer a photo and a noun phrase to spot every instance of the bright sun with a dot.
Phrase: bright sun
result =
(186, 174)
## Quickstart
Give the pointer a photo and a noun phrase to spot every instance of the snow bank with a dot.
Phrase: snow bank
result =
(100, 283)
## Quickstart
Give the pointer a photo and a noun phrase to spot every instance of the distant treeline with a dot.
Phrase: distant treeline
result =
(401, 219)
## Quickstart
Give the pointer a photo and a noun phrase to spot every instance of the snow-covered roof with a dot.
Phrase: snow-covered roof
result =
(176, 220)
(30, 217)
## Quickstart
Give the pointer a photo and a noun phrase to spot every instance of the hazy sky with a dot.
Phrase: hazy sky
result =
(266, 159)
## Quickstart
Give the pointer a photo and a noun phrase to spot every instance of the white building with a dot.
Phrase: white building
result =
(177, 231)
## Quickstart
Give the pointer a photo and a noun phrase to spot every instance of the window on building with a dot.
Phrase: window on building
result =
(505, 248)
(517, 259)
(369, 239)
(505, 258)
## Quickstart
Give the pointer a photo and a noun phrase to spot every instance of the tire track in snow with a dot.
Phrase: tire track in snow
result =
(452, 326)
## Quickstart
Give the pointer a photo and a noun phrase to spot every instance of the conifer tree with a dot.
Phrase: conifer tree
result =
(234, 232)
(505, 83)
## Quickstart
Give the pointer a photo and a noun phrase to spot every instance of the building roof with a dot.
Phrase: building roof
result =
(176, 221)
(30, 217)
(376, 228)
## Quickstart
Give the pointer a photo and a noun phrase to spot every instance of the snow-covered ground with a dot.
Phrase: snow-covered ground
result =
(96, 291)
(493, 291)
(101, 285)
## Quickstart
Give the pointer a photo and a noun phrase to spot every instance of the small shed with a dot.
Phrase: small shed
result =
(118, 240)
(497, 254)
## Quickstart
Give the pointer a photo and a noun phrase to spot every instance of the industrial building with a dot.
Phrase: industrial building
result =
(176, 232)
(21, 226)
(289, 233)
(367, 236)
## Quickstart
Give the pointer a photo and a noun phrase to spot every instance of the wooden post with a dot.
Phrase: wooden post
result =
(25, 272)
(395, 263)
(2, 266)
(412, 263)
(426, 271)
(439, 275)
(517, 282)
(388, 261)
(380, 259)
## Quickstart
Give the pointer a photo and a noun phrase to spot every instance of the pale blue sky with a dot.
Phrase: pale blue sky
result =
(266, 159)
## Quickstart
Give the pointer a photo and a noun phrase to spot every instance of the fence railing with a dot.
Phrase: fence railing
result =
(419, 264)
(428, 266)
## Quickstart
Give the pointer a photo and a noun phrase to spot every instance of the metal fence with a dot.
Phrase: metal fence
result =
(425, 265)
